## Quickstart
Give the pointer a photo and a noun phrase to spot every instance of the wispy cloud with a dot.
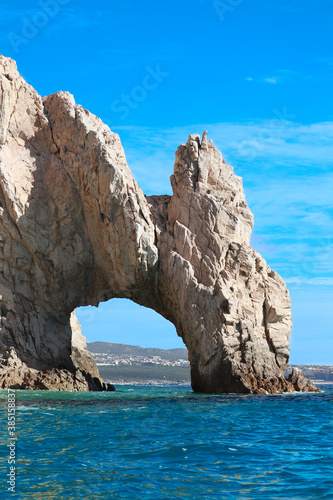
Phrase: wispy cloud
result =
(279, 76)
(273, 79)
(299, 149)
(287, 76)
(314, 281)
(55, 17)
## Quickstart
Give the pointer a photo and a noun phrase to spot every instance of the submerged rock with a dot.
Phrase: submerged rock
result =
(75, 229)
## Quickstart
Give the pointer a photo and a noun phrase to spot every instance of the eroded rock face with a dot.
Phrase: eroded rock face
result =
(75, 230)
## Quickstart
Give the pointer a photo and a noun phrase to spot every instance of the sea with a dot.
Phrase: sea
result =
(148, 442)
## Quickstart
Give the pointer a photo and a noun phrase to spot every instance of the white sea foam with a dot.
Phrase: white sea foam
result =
(27, 408)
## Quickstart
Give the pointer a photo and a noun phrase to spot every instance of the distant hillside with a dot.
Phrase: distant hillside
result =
(131, 350)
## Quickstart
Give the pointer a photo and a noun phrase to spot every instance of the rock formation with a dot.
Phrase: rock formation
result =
(75, 230)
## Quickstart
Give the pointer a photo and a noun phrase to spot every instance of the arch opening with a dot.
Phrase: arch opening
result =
(133, 344)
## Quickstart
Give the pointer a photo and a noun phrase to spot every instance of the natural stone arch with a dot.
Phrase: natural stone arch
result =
(76, 230)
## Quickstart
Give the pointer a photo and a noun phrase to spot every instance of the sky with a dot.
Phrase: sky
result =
(257, 74)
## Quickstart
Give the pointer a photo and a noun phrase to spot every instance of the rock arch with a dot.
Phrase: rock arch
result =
(76, 230)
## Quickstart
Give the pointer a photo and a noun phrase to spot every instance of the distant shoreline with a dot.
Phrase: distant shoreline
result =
(152, 383)
(183, 383)
(124, 364)
(161, 383)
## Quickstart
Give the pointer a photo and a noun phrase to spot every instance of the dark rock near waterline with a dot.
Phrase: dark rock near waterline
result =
(300, 382)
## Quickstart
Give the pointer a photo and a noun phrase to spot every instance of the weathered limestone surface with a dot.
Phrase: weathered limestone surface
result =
(75, 229)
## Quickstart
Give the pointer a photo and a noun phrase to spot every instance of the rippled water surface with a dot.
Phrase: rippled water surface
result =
(168, 443)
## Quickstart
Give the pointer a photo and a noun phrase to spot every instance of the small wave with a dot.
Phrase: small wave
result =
(27, 408)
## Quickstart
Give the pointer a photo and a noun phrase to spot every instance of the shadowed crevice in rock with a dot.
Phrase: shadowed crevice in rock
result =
(76, 230)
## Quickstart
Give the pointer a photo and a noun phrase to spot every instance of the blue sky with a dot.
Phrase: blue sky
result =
(257, 74)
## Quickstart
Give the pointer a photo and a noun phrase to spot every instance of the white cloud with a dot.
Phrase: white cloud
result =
(272, 79)
(296, 280)
(286, 76)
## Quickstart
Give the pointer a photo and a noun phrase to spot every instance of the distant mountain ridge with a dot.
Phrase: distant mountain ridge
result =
(132, 350)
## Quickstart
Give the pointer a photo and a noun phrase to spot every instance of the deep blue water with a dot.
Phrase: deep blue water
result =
(168, 443)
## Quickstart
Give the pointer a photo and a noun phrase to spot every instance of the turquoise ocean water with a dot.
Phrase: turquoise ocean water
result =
(168, 443)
